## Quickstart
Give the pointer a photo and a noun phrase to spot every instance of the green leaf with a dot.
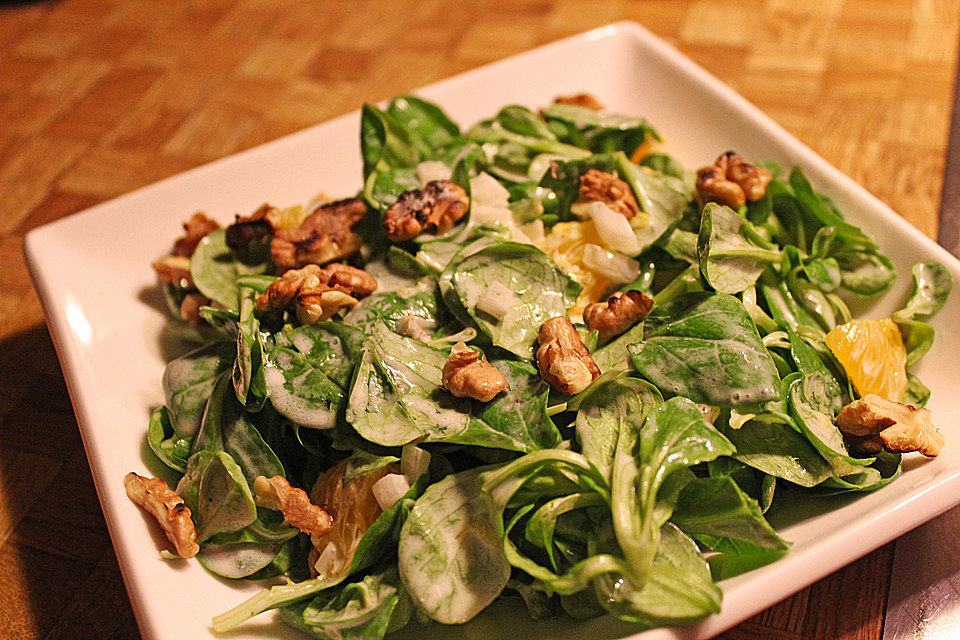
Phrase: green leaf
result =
(718, 507)
(542, 292)
(398, 398)
(421, 301)
(674, 436)
(931, 288)
(819, 427)
(678, 590)
(604, 412)
(301, 391)
(223, 502)
(451, 557)
(705, 346)
(917, 393)
(188, 381)
(214, 269)
(172, 448)
(425, 119)
(865, 272)
(779, 450)
(226, 428)
(732, 253)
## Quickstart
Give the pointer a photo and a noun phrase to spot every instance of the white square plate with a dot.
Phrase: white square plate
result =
(94, 277)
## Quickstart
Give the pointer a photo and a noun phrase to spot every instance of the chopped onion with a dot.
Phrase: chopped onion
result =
(534, 231)
(614, 229)
(618, 268)
(414, 462)
(483, 213)
(430, 170)
(485, 189)
(388, 489)
(414, 327)
(496, 300)
(328, 562)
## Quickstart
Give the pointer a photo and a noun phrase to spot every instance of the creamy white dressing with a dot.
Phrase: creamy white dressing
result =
(294, 407)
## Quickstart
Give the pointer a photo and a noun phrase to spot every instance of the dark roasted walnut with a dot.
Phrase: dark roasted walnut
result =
(581, 100)
(317, 293)
(563, 359)
(467, 374)
(190, 308)
(600, 186)
(195, 229)
(621, 311)
(247, 230)
(731, 181)
(873, 421)
(433, 209)
(324, 236)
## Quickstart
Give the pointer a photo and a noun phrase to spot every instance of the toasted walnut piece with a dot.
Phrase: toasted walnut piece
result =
(731, 181)
(563, 359)
(433, 209)
(324, 236)
(318, 307)
(276, 493)
(175, 270)
(600, 186)
(621, 311)
(190, 308)
(153, 495)
(350, 279)
(581, 100)
(899, 427)
(246, 230)
(467, 374)
(317, 292)
(195, 229)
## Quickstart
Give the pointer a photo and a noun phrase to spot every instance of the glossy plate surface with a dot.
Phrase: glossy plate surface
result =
(94, 277)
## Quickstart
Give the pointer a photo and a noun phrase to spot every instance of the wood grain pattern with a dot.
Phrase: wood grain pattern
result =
(98, 97)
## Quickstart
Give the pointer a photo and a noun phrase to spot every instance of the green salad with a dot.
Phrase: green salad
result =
(538, 358)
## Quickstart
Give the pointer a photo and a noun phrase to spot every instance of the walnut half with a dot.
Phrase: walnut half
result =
(731, 181)
(153, 495)
(324, 236)
(621, 311)
(467, 374)
(600, 186)
(433, 209)
(873, 420)
(315, 292)
(277, 494)
(563, 359)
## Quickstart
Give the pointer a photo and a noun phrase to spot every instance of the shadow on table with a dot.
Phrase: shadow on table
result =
(57, 565)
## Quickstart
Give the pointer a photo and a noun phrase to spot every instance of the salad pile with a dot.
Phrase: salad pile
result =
(536, 358)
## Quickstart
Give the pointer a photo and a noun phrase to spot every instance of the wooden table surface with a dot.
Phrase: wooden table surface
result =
(98, 97)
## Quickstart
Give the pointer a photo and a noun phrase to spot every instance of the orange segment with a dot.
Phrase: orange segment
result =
(873, 355)
(353, 507)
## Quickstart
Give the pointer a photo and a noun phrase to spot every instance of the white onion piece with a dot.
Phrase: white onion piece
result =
(582, 210)
(534, 231)
(614, 229)
(388, 489)
(430, 170)
(327, 563)
(496, 300)
(485, 189)
(414, 462)
(618, 268)
(414, 327)
(484, 213)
